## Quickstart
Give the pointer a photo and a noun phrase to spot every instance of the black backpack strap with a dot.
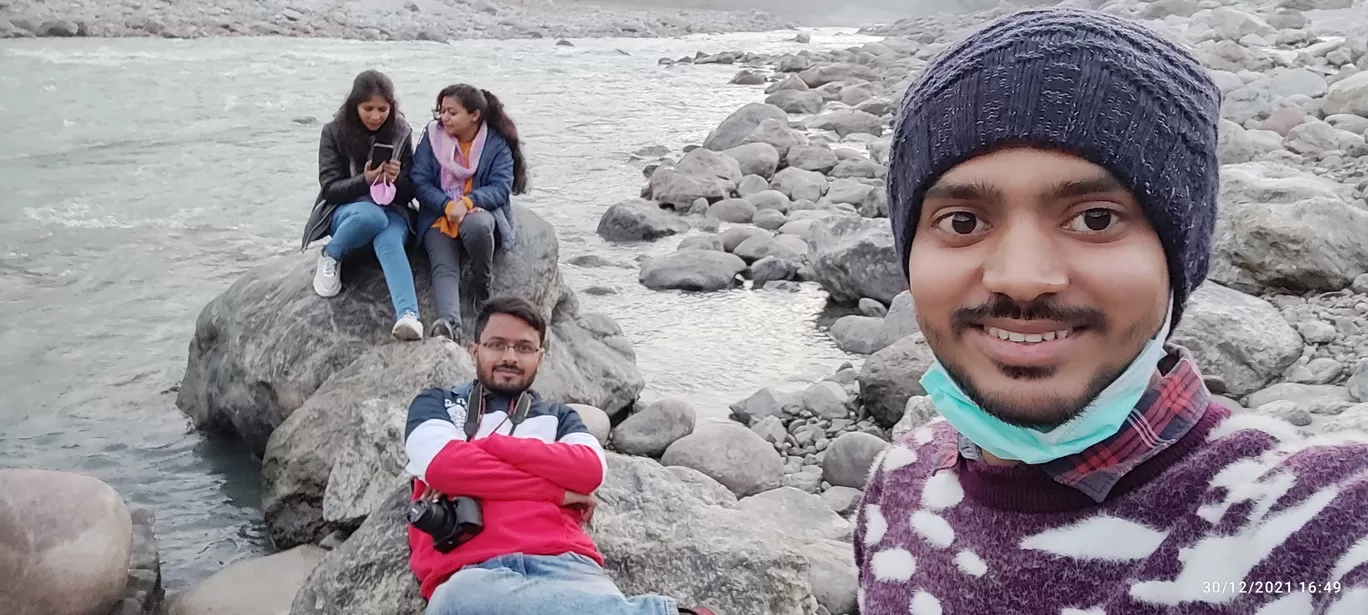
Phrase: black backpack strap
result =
(475, 406)
(519, 411)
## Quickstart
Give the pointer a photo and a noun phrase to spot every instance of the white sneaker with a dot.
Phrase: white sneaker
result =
(409, 328)
(327, 276)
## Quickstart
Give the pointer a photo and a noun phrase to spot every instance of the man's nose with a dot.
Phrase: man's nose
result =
(1025, 262)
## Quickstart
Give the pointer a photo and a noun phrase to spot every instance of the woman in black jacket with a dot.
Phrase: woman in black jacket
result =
(353, 205)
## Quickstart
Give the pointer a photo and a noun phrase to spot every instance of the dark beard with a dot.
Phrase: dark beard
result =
(510, 392)
(1048, 415)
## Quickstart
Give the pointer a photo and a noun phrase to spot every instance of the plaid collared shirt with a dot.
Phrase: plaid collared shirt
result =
(1173, 403)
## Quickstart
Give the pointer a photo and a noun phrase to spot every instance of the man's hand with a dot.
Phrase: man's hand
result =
(586, 503)
(391, 170)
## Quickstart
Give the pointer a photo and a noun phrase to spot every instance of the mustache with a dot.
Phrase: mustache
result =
(1044, 308)
(508, 366)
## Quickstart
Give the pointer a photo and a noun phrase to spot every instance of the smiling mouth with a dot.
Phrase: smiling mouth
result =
(1028, 338)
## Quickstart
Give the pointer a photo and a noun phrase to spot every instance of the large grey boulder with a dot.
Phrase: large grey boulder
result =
(818, 158)
(853, 257)
(731, 454)
(761, 246)
(792, 507)
(267, 344)
(704, 162)
(369, 574)
(652, 431)
(693, 270)
(251, 587)
(892, 376)
(1245, 340)
(638, 220)
(65, 544)
(819, 76)
(673, 187)
(350, 430)
(1313, 244)
(740, 124)
(1348, 96)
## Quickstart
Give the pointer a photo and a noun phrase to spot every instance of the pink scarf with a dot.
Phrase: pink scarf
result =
(455, 172)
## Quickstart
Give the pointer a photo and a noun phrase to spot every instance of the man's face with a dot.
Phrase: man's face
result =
(1037, 279)
(507, 355)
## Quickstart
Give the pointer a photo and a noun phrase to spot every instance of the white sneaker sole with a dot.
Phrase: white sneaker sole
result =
(323, 291)
(407, 332)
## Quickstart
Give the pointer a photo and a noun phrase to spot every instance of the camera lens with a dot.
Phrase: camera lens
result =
(419, 512)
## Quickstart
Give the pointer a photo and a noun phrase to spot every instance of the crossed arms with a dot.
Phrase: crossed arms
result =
(500, 467)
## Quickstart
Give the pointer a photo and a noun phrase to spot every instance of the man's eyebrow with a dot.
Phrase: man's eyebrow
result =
(964, 191)
(1074, 188)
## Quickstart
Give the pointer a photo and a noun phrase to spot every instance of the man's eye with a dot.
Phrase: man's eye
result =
(960, 223)
(1093, 221)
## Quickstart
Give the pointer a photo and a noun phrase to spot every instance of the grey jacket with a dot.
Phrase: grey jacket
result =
(342, 180)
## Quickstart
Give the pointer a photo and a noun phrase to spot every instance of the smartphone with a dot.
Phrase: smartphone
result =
(381, 153)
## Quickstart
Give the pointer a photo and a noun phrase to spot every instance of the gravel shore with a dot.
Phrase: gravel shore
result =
(400, 20)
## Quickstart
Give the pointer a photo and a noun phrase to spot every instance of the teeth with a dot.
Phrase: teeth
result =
(1027, 338)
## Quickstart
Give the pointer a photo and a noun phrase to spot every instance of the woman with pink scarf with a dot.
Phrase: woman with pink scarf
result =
(465, 169)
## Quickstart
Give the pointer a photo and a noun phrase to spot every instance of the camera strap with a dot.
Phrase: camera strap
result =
(475, 405)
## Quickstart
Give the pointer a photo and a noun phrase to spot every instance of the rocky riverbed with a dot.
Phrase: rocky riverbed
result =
(404, 20)
(789, 191)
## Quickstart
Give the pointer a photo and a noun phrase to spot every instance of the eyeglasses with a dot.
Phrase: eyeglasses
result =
(521, 348)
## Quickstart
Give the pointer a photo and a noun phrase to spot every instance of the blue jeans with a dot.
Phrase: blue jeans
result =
(519, 584)
(357, 224)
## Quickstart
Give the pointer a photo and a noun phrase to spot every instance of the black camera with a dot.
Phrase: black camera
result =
(450, 522)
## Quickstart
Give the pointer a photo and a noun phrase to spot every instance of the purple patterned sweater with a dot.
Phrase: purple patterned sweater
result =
(1242, 515)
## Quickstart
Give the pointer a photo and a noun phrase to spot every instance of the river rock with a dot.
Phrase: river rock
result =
(672, 187)
(1160, 9)
(692, 270)
(769, 219)
(1348, 96)
(891, 376)
(701, 242)
(847, 122)
(843, 500)
(854, 257)
(816, 158)
(251, 587)
(259, 350)
(776, 132)
(1312, 244)
(65, 544)
(736, 211)
(637, 220)
(740, 124)
(761, 246)
(849, 458)
(819, 76)
(703, 162)
(826, 400)
(770, 199)
(655, 428)
(848, 191)
(369, 574)
(772, 269)
(760, 159)
(730, 454)
(790, 507)
(918, 411)
(791, 82)
(660, 537)
(761, 404)
(802, 102)
(798, 184)
(1245, 340)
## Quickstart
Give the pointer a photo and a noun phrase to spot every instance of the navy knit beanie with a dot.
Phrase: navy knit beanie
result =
(1085, 83)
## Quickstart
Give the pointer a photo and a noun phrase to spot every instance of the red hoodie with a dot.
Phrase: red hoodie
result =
(520, 480)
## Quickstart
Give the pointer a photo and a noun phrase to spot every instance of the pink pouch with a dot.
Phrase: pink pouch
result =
(382, 192)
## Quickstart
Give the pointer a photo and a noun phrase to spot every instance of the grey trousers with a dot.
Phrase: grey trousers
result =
(444, 257)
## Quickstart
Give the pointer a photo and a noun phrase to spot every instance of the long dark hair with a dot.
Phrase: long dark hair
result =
(356, 139)
(492, 113)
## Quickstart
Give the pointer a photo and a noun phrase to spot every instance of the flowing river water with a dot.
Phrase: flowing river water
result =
(141, 177)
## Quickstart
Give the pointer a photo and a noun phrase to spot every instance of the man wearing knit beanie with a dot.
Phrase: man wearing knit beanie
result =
(1052, 187)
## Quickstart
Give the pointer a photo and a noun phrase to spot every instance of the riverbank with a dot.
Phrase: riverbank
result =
(392, 20)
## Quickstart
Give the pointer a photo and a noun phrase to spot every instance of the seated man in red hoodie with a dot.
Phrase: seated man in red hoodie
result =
(493, 453)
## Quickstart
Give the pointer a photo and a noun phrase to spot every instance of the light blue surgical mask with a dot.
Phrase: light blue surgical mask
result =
(1099, 420)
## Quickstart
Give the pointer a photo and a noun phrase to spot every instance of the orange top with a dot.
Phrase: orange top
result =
(442, 224)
